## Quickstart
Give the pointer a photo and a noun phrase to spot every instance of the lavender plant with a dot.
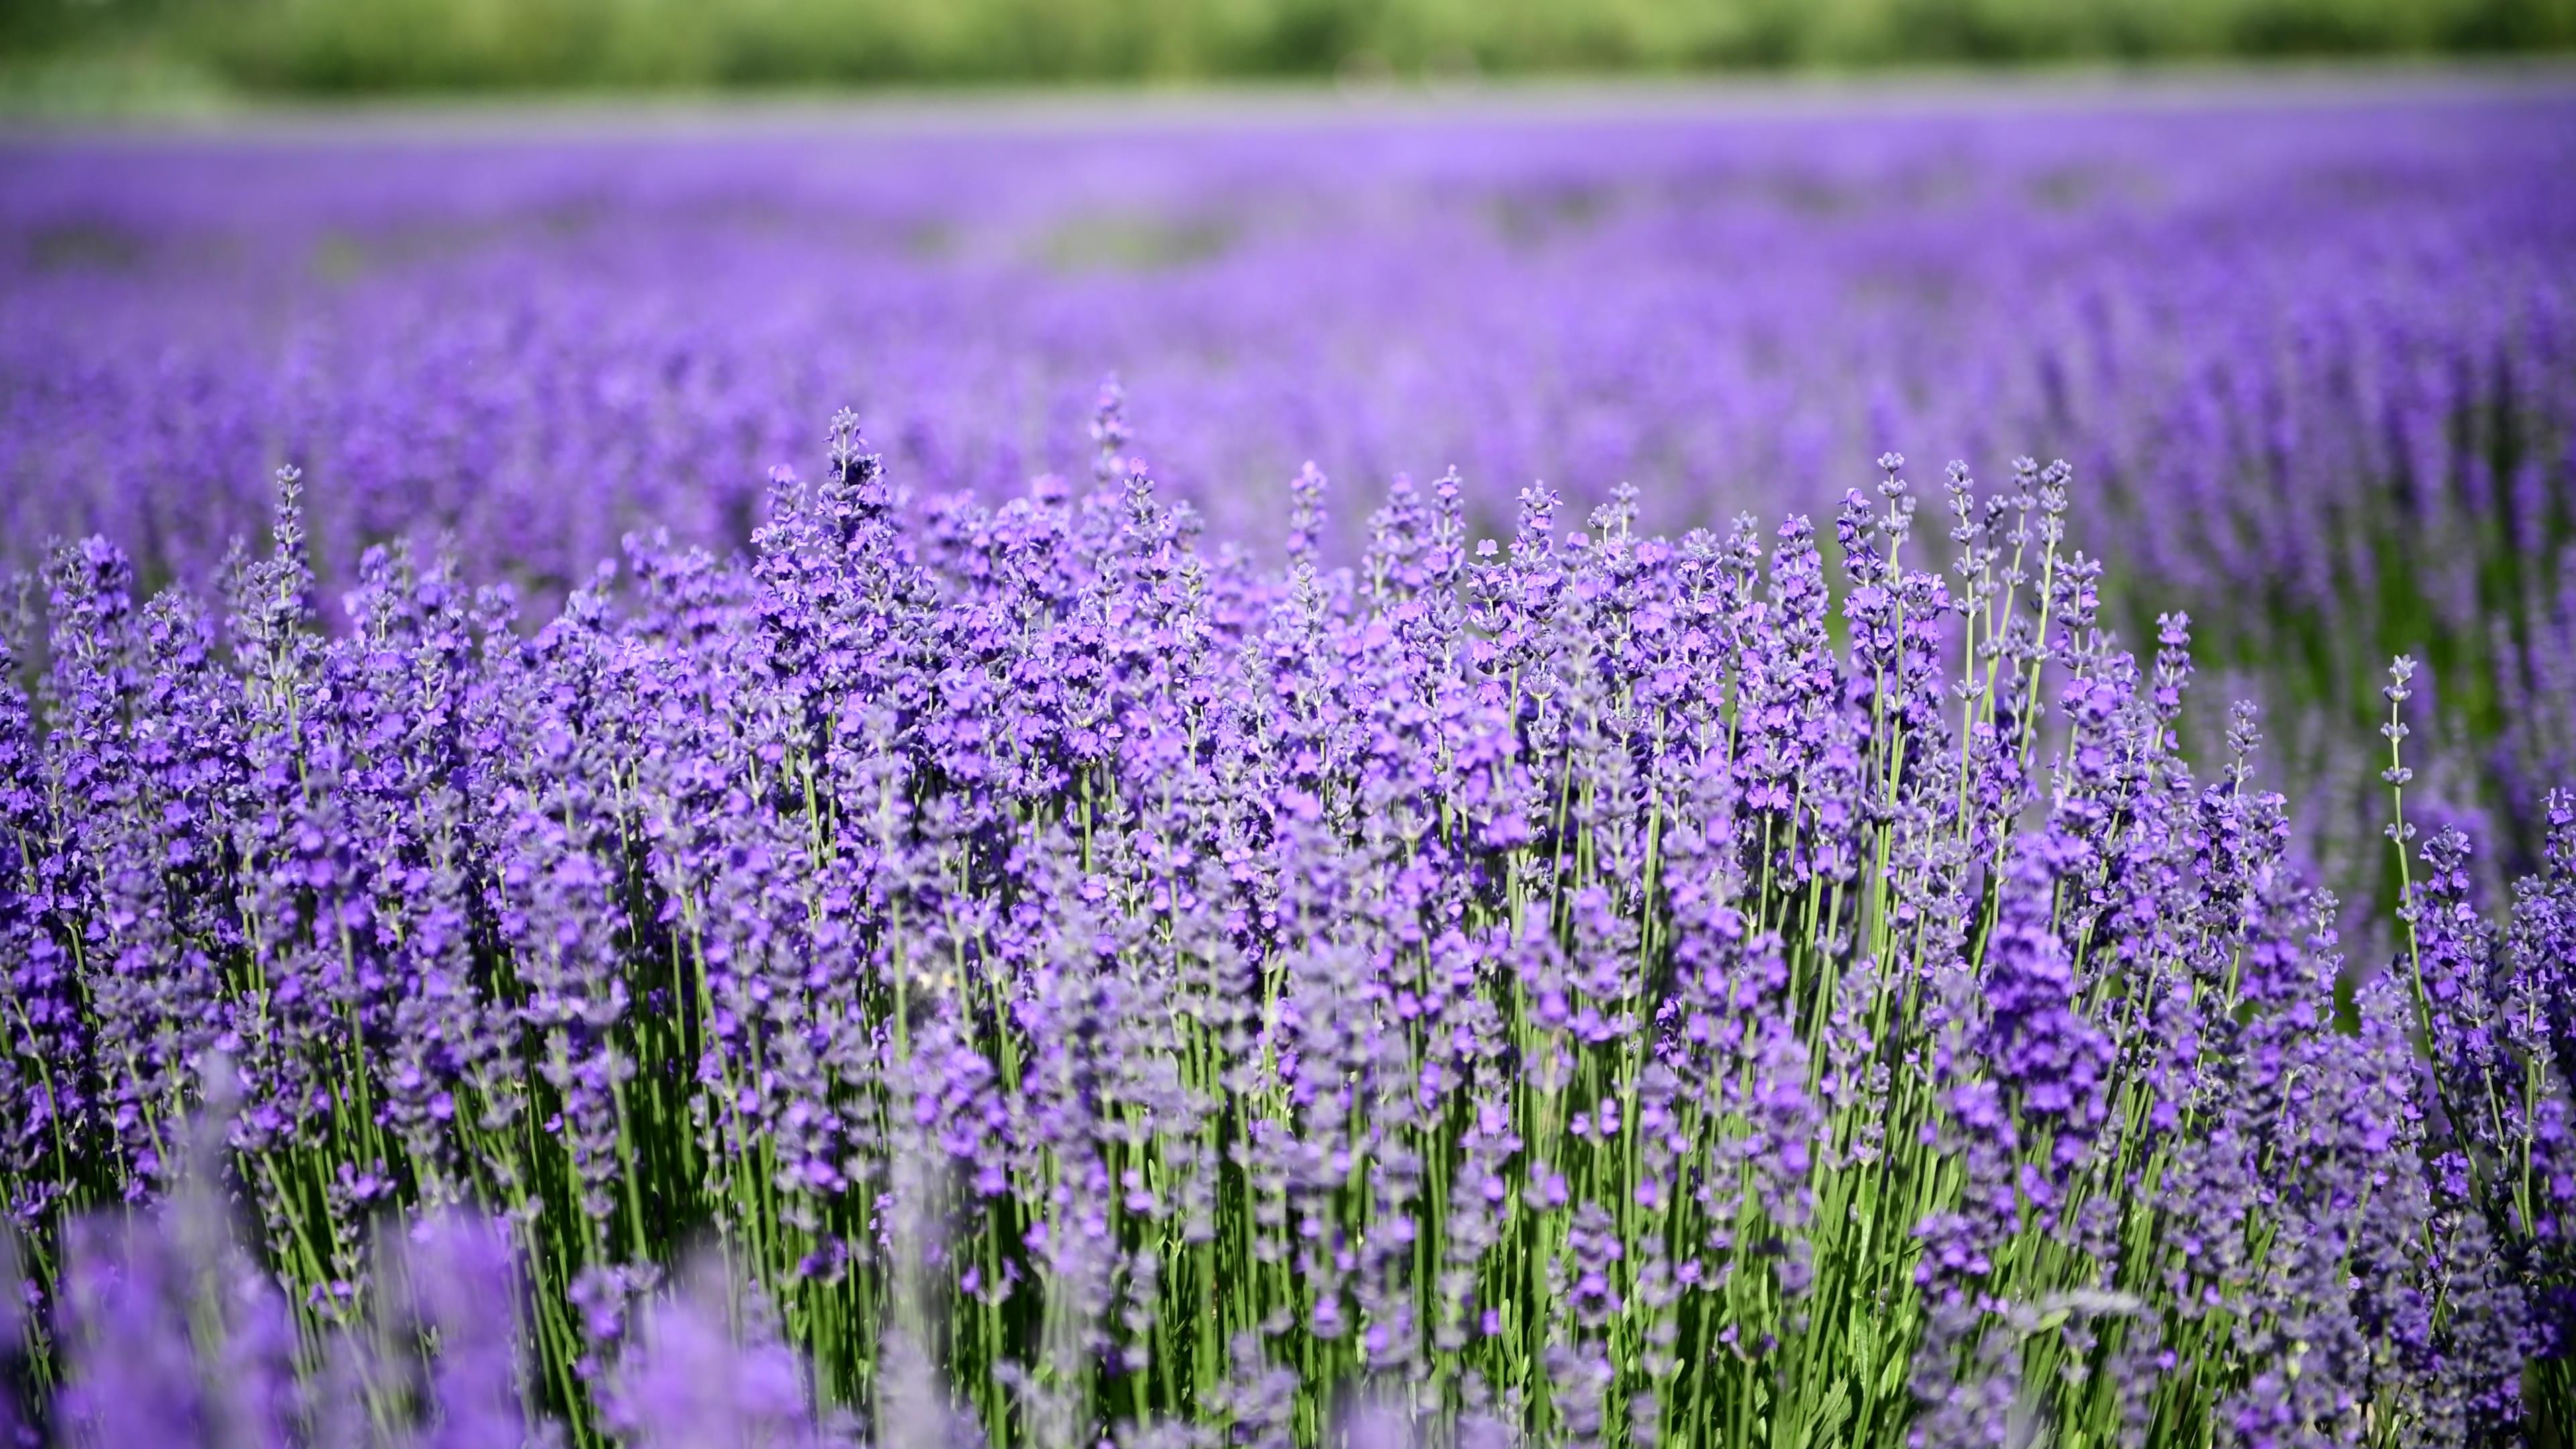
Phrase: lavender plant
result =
(1033, 975)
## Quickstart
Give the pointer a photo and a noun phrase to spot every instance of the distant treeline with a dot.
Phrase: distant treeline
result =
(370, 45)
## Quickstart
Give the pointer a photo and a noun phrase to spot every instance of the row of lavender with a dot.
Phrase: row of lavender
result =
(1069, 981)
(2319, 357)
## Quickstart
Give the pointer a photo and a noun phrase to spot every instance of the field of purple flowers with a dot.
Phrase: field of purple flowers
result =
(1630, 916)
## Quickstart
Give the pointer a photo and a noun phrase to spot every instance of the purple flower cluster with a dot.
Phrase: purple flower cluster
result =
(1031, 974)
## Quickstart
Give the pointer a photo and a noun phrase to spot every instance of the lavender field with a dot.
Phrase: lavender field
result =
(639, 810)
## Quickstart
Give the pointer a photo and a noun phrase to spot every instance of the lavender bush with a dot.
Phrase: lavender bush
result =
(1033, 975)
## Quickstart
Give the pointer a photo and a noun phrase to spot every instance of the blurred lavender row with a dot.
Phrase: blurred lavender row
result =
(1723, 310)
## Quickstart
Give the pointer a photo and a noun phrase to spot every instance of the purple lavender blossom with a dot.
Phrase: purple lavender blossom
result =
(1054, 976)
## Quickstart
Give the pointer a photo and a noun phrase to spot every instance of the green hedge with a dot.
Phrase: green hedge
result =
(369, 45)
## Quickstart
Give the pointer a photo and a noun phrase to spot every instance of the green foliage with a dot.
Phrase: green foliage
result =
(355, 46)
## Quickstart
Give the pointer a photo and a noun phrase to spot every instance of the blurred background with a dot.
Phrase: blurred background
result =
(72, 52)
